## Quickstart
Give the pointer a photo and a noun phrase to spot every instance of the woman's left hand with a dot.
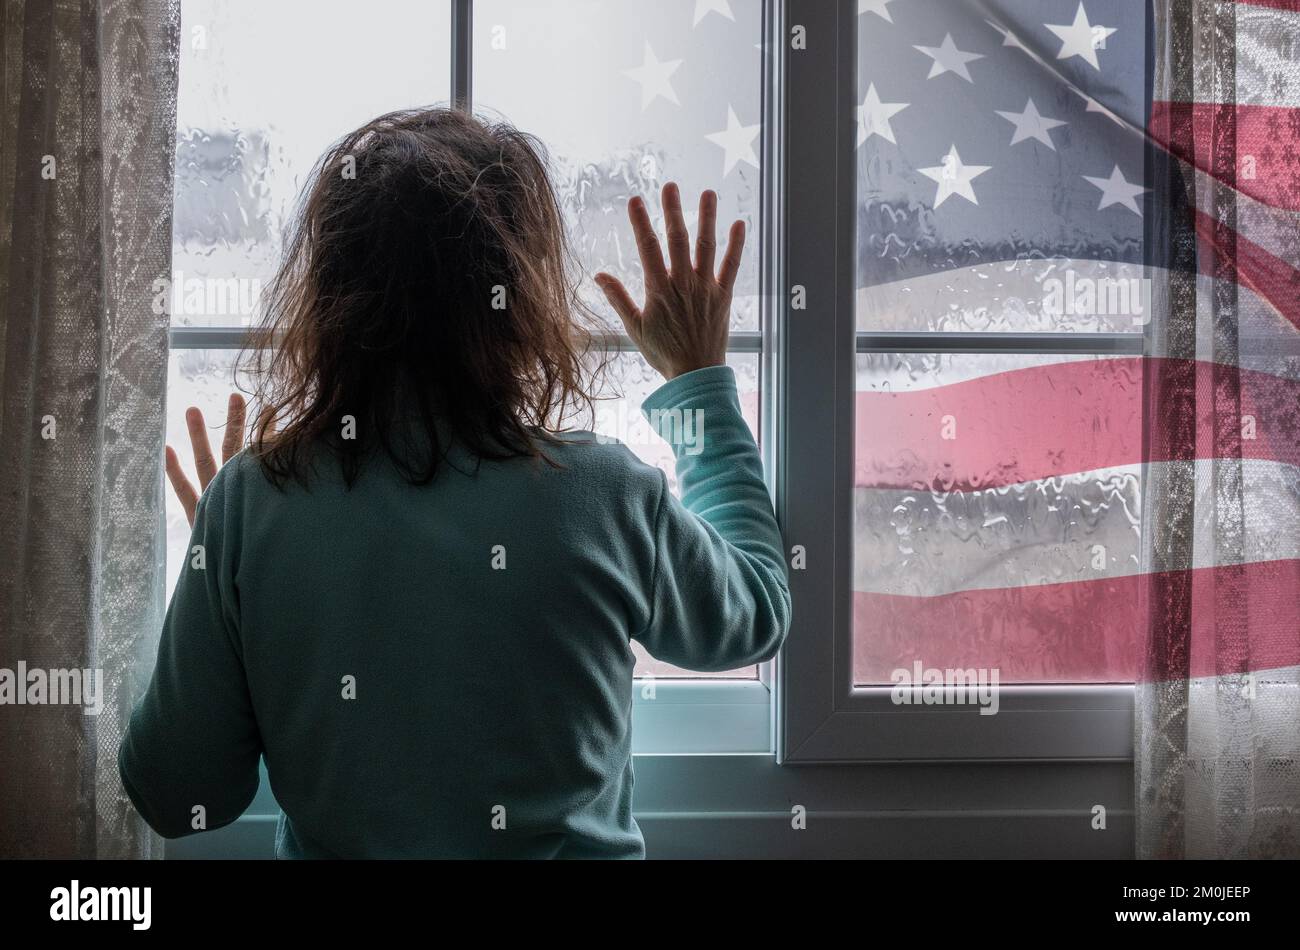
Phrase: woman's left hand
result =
(203, 460)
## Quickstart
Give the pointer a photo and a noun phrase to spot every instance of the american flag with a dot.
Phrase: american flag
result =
(1099, 519)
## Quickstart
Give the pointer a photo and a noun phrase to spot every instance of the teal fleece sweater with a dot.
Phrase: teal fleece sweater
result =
(444, 671)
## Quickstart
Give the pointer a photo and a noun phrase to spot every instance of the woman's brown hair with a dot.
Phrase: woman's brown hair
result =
(427, 292)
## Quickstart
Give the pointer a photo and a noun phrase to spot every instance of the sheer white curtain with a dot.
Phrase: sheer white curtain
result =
(87, 136)
(1218, 698)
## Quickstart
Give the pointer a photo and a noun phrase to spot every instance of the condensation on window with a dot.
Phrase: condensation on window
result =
(996, 552)
(1030, 295)
(651, 93)
(264, 90)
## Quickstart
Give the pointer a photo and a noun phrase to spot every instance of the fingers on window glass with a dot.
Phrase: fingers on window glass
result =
(204, 462)
(706, 241)
(731, 260)
(679, 239)
(184, 488)
(234, 437)
(647, 244)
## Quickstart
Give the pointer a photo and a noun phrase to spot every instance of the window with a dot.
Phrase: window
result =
(985, 434)
(951, 438)
(245, 143)
(683, 103)
(1001, 547)
(996, 526)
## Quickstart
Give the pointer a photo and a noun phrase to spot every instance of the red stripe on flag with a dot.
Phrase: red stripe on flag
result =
(1292, 6)
(1088, 631)
(1263, 135)
(1270, 277)
(1063, 418)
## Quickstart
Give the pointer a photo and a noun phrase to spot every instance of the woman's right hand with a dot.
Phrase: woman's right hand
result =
(684, 323)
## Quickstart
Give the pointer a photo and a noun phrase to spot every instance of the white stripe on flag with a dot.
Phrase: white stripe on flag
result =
(1022, 296)
(1079, 527)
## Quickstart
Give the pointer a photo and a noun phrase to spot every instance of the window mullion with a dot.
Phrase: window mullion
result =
(814, 499)
(462, 58)
(1044, 343)
(235, 338)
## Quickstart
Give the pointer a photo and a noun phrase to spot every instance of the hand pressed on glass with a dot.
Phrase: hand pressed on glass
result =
(683, 325)
(204, 462)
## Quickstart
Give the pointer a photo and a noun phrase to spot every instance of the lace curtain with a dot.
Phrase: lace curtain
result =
(1218, 698)
(87, 136)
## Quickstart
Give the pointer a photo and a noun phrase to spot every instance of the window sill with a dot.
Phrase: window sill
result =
(689, 717)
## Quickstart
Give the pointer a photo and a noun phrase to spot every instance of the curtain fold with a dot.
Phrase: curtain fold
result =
(1218, 697)
(87, 138)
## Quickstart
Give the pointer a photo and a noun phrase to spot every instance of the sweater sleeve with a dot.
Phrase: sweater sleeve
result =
(720, 591)
(189, 758)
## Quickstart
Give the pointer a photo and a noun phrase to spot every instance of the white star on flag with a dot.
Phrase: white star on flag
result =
(1081, 38)
(704, 7)
(737, 141)
(653, 77)
(954, 177)
(949, 59)
(874, 116)
(1031, 125)
(1115, 190)
(879, 7)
